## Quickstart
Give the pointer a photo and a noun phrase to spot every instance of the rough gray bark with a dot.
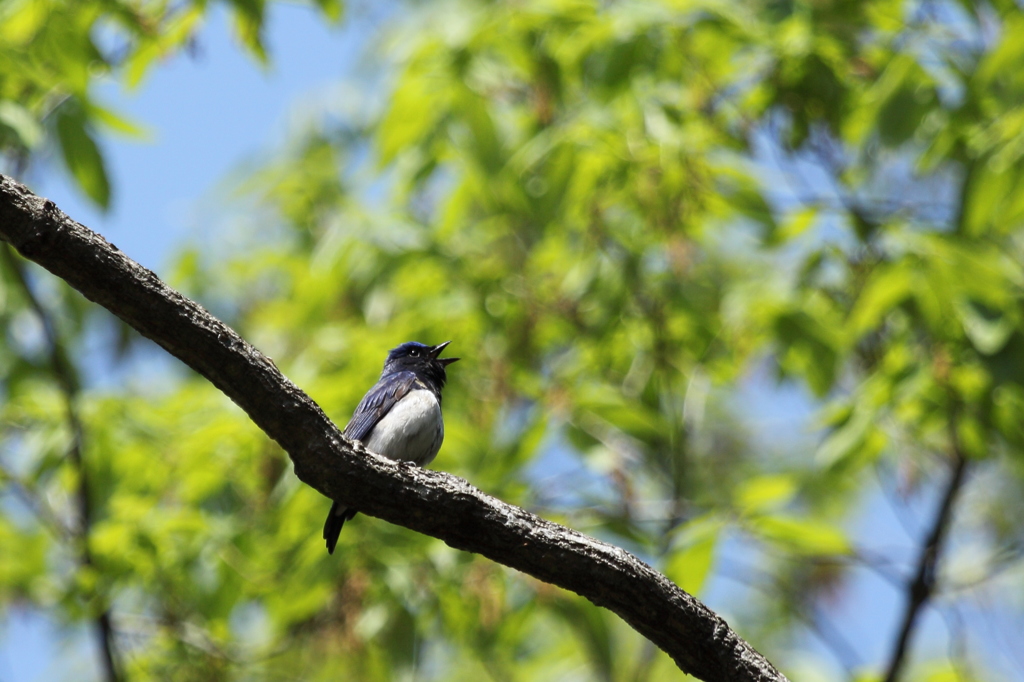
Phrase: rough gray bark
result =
(431, 502)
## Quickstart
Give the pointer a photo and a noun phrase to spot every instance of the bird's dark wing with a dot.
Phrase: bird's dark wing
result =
(377, 402)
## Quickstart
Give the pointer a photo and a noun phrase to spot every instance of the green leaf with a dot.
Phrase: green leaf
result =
(23, 558)
(116, 122)
(82, 155)
(400, 130)
(486, 146)
(332, 9)
(249, 26)
(796, 223)
(855, 441)
(988, 329)
(689, 568)
(762, 493)
(887, 287)
(801, 535)
(20, 22)
(22, 122)
(175, 32)
(810, 348)
(903, 112)
(894, 106)
(692, 557)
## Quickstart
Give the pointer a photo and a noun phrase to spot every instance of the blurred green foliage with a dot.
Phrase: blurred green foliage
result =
(54, 52)
(622, 214)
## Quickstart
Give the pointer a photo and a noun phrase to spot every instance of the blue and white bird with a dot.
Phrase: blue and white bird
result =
(400, 417)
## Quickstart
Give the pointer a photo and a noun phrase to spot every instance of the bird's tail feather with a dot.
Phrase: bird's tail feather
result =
(335, 521)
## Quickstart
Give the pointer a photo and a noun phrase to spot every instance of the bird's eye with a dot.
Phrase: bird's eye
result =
(414, 353)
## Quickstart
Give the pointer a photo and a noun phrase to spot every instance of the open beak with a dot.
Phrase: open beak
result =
(436, 350)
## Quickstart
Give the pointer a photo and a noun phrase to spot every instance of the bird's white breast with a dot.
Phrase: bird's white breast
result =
(411, 430)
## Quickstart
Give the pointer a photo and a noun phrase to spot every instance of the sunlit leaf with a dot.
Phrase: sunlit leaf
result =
(116, 122)
(801, 535)
(692, 560)
(762, 493)
(887, 288)
(21, 121)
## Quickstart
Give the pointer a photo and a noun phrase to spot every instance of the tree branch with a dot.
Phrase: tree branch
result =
(921, 589)
(67, 379)
(430, 502)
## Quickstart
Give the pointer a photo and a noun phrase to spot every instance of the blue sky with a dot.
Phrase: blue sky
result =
(205, 114)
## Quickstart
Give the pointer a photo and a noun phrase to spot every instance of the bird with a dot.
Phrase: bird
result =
(399, 417)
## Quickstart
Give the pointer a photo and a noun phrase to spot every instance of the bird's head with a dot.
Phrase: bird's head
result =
(412, 356)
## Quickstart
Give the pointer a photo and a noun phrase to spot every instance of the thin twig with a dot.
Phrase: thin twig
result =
(921, 589)
(67, 379)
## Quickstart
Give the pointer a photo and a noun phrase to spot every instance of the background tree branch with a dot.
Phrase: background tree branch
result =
(67, 378)
(431, 502)
(922, 587)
